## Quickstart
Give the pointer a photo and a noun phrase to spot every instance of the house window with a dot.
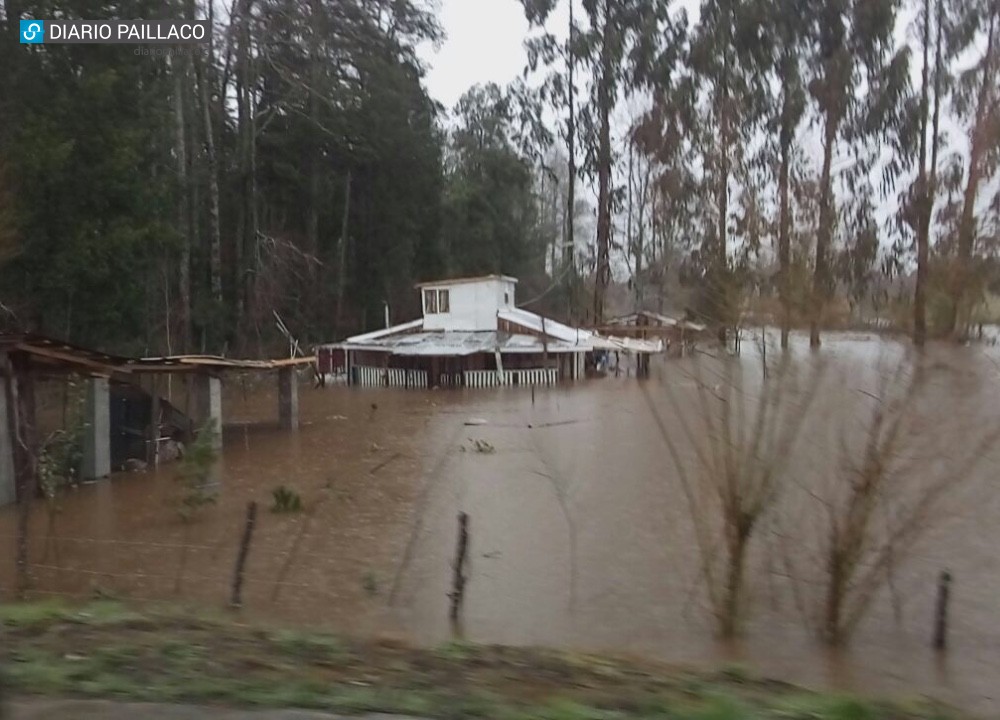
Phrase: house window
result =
(506, 298)
(430, 302)
(443, 301)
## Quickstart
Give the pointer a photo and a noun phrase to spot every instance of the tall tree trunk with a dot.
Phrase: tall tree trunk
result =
(342, 259)
(569, 243)
(629, 234)
(604, 170)
(967, 222)
(923, 197)
(718, 261)
(312, 220)
(215, 241)
(785, 214)
(183, 202)
(246, 240)
(211, 335)
(824, 233)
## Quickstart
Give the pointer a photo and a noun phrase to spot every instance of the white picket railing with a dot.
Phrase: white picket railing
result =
(492, 378)
(399, 377)
(391, 377)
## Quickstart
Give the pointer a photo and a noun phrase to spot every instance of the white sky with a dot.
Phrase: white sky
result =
(484, 44)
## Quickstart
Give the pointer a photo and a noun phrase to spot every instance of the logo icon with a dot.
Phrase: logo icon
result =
(32, 32)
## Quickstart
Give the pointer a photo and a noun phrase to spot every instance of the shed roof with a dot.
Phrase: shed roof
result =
(537, 323)
(462, 280)
(664, 320)
(53, 355)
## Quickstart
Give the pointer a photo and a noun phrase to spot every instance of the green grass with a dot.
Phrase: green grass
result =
(108, 650)
(28, 614)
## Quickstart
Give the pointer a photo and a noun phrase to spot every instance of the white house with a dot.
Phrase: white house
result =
(472, 334)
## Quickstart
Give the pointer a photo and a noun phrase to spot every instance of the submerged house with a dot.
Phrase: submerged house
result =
(471, 334)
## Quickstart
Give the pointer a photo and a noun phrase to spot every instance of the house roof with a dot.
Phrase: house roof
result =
(552, 328)
(463, 280)
(460, 343)
(385, 332)
(411, 339)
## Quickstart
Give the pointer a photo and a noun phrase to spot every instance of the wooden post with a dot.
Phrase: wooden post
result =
(941, 613)
(241, 558)
(153, 449)
(20, 397)
(458, 581)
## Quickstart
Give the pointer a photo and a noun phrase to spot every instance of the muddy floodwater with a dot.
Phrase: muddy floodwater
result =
(581, 536)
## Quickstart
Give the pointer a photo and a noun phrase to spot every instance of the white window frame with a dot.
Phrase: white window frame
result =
(430, 301)
(444, 301)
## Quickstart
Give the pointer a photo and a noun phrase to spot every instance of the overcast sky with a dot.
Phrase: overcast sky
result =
(484, 44)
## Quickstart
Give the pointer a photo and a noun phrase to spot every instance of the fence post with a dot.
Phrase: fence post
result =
(457, 594)
(941, 613)
(241, 558)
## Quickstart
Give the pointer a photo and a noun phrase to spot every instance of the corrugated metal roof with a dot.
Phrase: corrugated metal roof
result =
(457, 344)
(558, 338)
(384, 332)
(627, 344)
(540, 324)
(664, 320)
(57, 355)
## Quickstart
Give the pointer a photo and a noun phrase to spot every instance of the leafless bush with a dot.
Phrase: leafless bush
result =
(882, 494)
(731, 456)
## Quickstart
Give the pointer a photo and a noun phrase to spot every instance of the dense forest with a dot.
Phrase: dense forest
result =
(793, 156)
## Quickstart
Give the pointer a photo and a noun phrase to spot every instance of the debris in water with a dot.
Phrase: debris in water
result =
(135, 465)
(481, 446)
(552, 424)
(384, 463)
(476, 421)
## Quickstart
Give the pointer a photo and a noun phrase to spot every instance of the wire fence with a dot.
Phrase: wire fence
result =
(76, 566)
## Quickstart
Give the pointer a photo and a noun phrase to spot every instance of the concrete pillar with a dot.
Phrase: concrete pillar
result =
(288, 398)
(97, 433)
(208, 404)
(8, 493)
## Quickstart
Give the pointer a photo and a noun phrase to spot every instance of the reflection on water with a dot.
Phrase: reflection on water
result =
(580, 536)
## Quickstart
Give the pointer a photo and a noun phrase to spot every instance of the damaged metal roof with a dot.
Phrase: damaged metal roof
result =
(455, 343)
(555, 337)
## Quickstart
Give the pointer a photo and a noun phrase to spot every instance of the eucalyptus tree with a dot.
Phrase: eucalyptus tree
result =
(629, 46)
(856, 84)
(977, 104)
(791, 26)
(728, 62)
(941, 39)
(559, 89)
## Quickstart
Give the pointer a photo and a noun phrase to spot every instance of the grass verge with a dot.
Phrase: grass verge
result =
(110, 651)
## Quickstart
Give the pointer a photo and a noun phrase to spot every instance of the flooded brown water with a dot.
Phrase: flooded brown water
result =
(580, 534)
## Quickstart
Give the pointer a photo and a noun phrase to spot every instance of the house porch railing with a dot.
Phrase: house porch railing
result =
(492, 378)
